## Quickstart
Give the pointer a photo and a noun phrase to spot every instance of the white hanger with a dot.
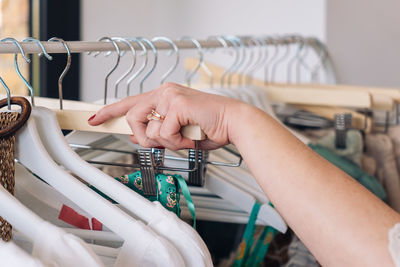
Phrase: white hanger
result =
(29, 187)
(32, 154)
(20, 217)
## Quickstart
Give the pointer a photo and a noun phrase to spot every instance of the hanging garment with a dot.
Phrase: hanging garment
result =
(299, 255)
(354, 145)
(167, 199)
(168, 191)
(394, 133)
(56, 247)
(380, 147)
(12, 255)
(254, 246)
(46, 202)
(394, 244)
(368, 164)
(370, 182)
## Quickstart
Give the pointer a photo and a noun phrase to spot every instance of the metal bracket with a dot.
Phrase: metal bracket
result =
(342, 124)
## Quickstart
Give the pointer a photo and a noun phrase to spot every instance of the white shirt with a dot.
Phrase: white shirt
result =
(394, 244)
(57, 248)
(191, 246)
(12, 255)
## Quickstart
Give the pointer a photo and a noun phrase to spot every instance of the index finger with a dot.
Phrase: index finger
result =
(118, 109)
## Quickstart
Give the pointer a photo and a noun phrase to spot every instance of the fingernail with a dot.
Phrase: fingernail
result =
(160, 147)
(92, 117)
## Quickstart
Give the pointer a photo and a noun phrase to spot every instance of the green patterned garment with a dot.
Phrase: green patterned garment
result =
(167, 188)
(168, 191)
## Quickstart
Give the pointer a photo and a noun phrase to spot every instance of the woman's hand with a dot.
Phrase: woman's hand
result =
(181, 106)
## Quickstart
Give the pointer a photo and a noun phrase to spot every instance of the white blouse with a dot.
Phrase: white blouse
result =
(394, 244)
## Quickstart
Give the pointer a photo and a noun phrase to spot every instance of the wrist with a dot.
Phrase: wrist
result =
(241, 114)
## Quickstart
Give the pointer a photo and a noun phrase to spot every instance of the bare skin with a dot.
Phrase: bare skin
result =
(341, 222)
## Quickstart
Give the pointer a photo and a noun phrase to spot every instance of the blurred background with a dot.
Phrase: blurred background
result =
(362, 36)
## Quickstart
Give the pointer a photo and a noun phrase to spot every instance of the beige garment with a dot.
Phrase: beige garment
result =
(368, 165)
(380, 147)
(394, 133)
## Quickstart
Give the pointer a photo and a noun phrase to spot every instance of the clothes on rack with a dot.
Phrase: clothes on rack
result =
(350, 160)
(13, 255)
(380, 147)
(394, 133)
(168, 193)
(58, 248)
(254, 245)
(370, 182)
(148, 247)
(354, 145)
(299, 255)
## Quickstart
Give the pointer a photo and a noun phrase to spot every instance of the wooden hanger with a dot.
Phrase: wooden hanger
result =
(306, 94)
(307, 97)
(75, 114)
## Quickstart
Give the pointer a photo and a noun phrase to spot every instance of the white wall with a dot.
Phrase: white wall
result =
(175, 18)
(363, 37)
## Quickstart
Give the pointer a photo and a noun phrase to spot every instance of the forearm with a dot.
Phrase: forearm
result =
(341, 222)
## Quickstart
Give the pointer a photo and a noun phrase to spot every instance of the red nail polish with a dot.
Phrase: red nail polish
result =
(160, 147)
(92, 117)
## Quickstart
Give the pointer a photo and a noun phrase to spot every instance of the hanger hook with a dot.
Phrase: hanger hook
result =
(301, 55)
(120, 39)
(108, 39)
(44, 52)
(262, 57)
(282, 41)
(235, 61)
(8, 92)
(141, 69)
(239, 59)
(270, 41)
(322, 57)
(297, 41)
(175, 50)
(252, 43)
(154, 49)
(65, 71)
(242, 61)
(39, 43)
(190, 75)
(205, 67)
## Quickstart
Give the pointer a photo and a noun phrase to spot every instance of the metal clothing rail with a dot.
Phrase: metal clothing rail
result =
(85, 46)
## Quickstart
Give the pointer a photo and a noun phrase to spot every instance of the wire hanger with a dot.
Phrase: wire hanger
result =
(147, 75)
(15, 57)
(133, 51)
(142, 67)
(190, 75)
(271, 42)
(108, 39)
(241, 62)
(260, 58)
(65, 71)
(279, 60)
(174, 51)
(203, 64)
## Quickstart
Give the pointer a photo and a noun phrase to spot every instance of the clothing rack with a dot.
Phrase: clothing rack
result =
(88, 46)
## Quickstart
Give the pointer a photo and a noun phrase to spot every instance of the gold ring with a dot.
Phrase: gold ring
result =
(155, 116)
